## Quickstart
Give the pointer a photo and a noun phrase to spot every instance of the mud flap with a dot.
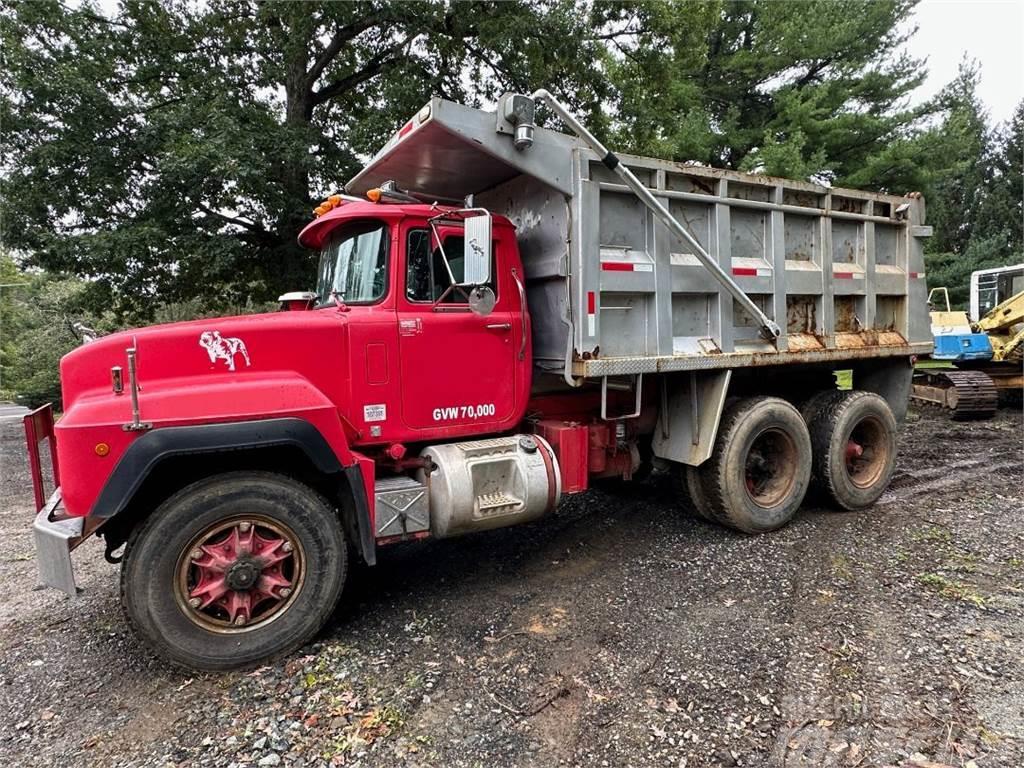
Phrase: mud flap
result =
(364, 527)
(688, 415)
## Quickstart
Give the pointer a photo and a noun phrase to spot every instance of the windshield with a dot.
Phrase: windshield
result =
(354, 264)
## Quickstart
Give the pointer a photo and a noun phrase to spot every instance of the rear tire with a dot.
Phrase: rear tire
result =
(760, 467)
(234, 569)
(853, 437)
(811, 406)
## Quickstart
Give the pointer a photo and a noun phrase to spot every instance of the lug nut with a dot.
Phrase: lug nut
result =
(287, 546)
(195, 602)
(244, 526)
(239, 621)
(195, 554)
(286, 592)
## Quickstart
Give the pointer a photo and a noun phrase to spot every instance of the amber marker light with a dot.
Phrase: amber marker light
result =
(102, 449)
(373, 195)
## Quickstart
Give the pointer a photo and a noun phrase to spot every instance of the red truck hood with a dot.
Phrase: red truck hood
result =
(229, 369)
(208, 353)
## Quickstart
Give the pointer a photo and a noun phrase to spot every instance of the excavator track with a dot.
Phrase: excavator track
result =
(968, 394)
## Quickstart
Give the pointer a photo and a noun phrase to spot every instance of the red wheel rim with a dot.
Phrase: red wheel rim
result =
(770, 470)
(866, 453)
(239, 574)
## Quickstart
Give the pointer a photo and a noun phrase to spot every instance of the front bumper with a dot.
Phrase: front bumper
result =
(54, 539)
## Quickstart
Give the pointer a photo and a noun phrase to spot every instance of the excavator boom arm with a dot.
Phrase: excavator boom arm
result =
(1004, 316)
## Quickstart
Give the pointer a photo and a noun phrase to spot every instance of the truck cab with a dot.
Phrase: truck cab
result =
(425, 363)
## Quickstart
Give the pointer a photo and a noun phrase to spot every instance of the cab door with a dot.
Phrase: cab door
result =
(458, 369)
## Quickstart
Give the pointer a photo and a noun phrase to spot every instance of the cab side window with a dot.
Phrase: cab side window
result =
(426, 278)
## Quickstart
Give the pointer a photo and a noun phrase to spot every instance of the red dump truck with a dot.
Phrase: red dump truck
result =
(504, 314)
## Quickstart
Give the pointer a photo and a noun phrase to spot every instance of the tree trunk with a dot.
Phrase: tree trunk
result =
(293, 262)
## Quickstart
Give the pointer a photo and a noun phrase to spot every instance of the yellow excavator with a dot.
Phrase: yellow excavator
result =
(987, 352)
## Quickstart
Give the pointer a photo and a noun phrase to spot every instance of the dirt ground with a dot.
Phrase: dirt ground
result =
(618, 632)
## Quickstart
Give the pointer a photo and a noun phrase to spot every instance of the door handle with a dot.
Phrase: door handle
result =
(499, 326)
(524, 312)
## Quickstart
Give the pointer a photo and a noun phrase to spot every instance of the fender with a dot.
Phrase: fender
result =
(145, 453)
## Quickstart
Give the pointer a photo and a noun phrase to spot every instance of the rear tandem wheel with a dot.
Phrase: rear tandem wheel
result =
(759, 469)
(853, 438)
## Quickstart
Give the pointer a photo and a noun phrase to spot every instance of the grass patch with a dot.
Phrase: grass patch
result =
(952, 590)
(933, 534)
(963, 562)
(926, 365)
(841, 566)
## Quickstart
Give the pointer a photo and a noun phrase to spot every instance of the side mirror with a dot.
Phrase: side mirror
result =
(477, 254)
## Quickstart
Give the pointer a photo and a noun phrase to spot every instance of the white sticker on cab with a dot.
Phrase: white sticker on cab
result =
(377, 412)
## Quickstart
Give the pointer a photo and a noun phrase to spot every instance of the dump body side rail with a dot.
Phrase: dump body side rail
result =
(769, 328)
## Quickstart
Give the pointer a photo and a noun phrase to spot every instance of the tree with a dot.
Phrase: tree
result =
(1001, 213)
(973, 188)
(959, 149)
(809, 89)
(173, 150)
(38, 313)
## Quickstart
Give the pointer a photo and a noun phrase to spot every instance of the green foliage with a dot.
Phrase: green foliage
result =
(173, 150)
(974, 190)
(953, 270)
(169, 153)
(808, 89)
(1001, 213)
(37, 328)
(957, 175)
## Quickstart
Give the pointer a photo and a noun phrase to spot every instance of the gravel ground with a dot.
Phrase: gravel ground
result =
(617, 632)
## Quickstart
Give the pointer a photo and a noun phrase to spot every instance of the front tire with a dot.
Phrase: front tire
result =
(234, 569)
(760, 467)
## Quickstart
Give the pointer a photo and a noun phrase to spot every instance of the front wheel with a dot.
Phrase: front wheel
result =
(234, 569)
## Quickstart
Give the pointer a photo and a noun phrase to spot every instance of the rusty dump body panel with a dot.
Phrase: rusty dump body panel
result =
(612, 291)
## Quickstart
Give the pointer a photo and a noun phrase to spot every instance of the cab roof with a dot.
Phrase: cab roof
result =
(317, 232)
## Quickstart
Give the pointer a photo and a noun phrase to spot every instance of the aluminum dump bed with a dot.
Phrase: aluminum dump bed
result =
(613, 291)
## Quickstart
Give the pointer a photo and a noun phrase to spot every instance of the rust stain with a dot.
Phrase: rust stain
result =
(869, 338)
(846, 314)
(847, 205)
(803, 342)
(801, 314)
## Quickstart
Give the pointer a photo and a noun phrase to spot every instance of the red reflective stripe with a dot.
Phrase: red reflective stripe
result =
(843, 275)
(591, 303)
(745, 271)
(616, 266)
(405, 129)
(917, 274)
